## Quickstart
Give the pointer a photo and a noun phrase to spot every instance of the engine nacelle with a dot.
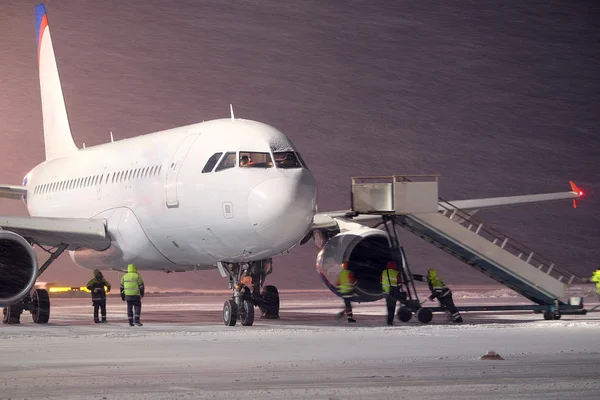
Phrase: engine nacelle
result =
(18, 268)
(367, 251)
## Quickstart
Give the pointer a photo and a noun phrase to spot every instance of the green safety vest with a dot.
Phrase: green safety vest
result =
(596, 278)
(131, 282)
(389, 278)
(345, 285)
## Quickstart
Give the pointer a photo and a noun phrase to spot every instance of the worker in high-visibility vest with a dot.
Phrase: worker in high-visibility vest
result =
(132, 291)
(345, 286)
(391, 284)
(97, 286)
(441, 292)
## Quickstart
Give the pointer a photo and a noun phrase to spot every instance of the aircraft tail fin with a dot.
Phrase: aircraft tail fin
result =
(58, 140)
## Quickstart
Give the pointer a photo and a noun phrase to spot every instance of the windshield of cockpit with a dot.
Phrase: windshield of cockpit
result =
(286, 160)
(253, 159)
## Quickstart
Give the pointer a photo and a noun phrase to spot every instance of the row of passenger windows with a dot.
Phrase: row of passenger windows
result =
(111, 177)
(251, 159)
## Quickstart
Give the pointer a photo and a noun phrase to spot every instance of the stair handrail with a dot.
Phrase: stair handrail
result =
(508, 243)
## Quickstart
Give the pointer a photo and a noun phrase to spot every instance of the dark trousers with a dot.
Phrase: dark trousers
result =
(99, 304)
(134, 309)
(347, 307)
(448, 303)
(390, 303)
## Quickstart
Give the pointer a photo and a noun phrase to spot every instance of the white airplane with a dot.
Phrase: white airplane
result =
(227, 194)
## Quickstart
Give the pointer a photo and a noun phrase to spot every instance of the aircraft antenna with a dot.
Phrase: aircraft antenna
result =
(111, 137)
(231, 109)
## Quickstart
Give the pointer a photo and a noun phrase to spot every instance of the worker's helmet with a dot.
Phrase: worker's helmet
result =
(391, 265)
(345, 265)
(431, 273)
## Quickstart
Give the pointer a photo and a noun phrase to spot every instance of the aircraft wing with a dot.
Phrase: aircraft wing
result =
(76, 232)
(327, 220)
(12, 192)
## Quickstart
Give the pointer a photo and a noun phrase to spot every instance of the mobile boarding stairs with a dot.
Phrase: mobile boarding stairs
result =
(412, 202)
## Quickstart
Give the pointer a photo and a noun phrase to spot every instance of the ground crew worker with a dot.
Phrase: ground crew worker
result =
(391, 282)
(345, 286)
(132, 291)
(441, 292)
(96, 287)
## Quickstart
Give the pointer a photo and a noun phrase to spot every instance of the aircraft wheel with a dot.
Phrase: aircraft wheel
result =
(230, 313)
(424, 315)
(12, 314)
(247, 313)
(40, 311)
(270, 307)
(404, 314)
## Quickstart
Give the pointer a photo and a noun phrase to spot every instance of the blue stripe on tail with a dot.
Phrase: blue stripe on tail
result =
(40, 11)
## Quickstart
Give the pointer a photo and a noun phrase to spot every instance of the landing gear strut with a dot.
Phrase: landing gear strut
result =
(247, 282)
(38, 301)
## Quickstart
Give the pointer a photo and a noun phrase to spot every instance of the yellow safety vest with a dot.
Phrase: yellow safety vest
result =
(389, 278)
(596, 278)
(131, 282)
(345, 285)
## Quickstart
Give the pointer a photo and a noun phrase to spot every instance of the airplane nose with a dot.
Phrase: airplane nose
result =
(268, 201)
(282, 209)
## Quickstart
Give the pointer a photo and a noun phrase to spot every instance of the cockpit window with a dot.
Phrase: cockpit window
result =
(301, 160)
(286, 160)
(212, 161)
(255, 160)
(227, 162)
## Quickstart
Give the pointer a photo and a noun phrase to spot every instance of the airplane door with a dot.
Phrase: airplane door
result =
(175, 166)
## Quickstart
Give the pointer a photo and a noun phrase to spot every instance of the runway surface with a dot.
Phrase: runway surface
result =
(183, 351)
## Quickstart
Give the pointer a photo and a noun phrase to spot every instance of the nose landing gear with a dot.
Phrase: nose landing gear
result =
(247, 282)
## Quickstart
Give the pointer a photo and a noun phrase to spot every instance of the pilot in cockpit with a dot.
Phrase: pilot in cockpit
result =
(244, 161)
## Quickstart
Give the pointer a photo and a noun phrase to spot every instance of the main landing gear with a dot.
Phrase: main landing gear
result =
(38, 301)
(247, 282)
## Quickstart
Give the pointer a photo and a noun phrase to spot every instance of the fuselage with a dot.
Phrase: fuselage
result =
(186, 198)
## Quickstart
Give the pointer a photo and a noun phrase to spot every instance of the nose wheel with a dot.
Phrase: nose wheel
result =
(247, 313)
(247, 281)
(230, 313)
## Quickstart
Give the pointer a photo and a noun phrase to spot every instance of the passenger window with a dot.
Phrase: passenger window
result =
(212, 161)
(255, 160)
(227, 162)
(286, 160)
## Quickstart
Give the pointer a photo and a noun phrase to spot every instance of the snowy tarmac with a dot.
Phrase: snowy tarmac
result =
(183, 351)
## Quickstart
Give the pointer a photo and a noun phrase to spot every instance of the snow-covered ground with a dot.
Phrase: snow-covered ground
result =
(184, 352)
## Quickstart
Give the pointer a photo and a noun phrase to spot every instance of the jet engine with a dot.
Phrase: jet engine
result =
(367, 251)
(18, 268)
